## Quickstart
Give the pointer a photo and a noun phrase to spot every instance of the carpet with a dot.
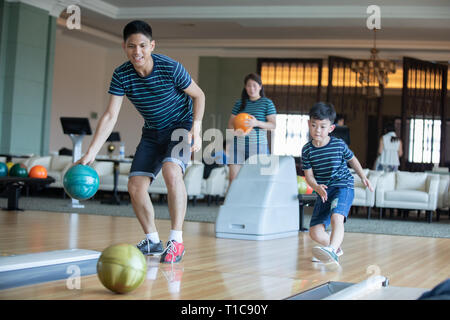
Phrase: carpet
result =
(203, 213)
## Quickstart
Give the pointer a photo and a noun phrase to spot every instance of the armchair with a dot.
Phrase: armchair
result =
(363, 196)
(408, 190)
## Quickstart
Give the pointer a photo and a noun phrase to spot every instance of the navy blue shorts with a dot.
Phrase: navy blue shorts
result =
(158, 146)
(242, 152)
(339, 200)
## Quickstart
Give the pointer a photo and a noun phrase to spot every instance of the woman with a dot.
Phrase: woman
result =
(390, 150)
(263, 117)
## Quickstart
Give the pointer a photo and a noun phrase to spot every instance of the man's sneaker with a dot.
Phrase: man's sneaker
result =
(326, 255)
(150, 248)
(339, 253)
(173, 274)
(173, 253)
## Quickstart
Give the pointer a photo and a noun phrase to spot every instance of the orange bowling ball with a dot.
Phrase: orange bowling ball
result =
(239, 122)
(38, 172)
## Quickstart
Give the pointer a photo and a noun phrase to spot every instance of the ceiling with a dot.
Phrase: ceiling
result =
(258, 24)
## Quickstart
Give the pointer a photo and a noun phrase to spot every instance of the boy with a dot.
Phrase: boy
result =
(325, 161)
(168, 99)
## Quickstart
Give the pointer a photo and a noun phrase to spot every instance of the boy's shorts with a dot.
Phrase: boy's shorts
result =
(240, 152)
(157, 147)
(339, 201)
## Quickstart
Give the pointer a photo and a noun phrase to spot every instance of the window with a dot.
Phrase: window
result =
(291, 134)
(424, 141)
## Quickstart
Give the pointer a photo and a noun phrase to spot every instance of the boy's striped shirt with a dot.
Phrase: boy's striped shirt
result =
(329, 163)
(159, 97)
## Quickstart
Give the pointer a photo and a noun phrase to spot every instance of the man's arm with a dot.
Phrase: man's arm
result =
(103, 130)
(198, 98)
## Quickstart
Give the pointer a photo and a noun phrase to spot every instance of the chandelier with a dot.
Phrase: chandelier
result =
(373, 73)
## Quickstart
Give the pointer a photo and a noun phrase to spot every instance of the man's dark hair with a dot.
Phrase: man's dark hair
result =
(339, 116)
(322, 111)
(137, 26)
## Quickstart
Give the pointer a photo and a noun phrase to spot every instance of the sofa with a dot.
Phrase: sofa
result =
(363, 196)
(216, 185)
(56, 166)
(193, 178)
(408, 190)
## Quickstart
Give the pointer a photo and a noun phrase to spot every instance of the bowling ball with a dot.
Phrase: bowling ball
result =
(3, 169)
(19, 170)
(38, 172)
(81, 182)
(111, 148)
(121, 268)
(303, 187)
(9, 165)
(239, 122)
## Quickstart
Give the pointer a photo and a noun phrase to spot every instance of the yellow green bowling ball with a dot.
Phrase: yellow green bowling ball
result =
(9, 165)
(303, 186)
(121, 268)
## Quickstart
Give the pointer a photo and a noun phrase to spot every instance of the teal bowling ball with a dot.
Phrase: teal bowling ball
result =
(81, 182)
(3, 169)
(19, 170)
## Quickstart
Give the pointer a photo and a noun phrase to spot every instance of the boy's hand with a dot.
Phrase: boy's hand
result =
(367, 183)
(322, 192)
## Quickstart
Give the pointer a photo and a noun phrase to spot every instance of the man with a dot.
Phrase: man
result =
(170, 102)
(341, 131)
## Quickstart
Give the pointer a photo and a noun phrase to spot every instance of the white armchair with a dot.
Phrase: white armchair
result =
(443, 191)
(56, 166)
(105, 171)
(444, 180)
(363, 196)
(408, 190)
(193, 181)
(216, 184)
(39, 161)
(158, 185)
(448, 201)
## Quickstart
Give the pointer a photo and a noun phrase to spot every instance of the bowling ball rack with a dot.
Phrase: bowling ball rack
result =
(13, 187)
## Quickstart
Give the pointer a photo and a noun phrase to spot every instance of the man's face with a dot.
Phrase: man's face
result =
(320, 129)
(138, 49)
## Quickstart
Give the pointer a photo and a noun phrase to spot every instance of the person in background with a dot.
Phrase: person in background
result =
(341, 131)
(390, 150)
(263, 112)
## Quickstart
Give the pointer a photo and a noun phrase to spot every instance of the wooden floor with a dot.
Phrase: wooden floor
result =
(214, 268)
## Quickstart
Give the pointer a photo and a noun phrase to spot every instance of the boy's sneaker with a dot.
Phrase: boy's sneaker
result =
(150, 248)
(174, 252)
(339, 253)
(326, 255)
